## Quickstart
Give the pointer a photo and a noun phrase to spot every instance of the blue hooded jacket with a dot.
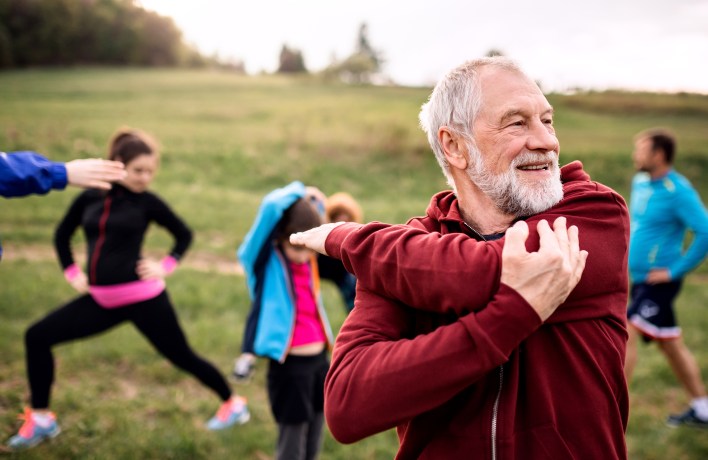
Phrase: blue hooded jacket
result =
(271, 320)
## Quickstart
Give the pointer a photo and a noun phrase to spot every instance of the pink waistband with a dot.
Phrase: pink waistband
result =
(120, 295)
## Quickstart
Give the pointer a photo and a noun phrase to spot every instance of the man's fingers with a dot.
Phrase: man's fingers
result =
(297, 239)
(515, 238)
(547, 238)
(100, 185)
(561, 230)
(573, 239)
(580, 266)
(314, 238)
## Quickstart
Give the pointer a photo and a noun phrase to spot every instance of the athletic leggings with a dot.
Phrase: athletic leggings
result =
(83, 317)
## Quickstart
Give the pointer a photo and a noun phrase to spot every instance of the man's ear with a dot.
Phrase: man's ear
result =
(454, 147)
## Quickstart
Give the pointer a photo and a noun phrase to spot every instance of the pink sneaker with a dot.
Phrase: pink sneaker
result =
(232, 412)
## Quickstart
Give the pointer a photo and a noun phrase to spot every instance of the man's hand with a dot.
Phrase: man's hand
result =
(544, 278)
(314, 238)
(94, 173)
(150, 269)
(658, 276)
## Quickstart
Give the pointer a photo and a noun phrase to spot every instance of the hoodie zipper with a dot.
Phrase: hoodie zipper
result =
(495, 413)
(101, 238)
(495, 408)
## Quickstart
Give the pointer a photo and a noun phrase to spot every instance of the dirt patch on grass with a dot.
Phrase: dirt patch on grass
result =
(195, 260)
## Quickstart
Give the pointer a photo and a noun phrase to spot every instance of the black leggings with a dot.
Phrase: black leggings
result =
(83, 317)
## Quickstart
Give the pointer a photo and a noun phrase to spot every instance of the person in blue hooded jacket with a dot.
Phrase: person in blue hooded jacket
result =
(287, 323)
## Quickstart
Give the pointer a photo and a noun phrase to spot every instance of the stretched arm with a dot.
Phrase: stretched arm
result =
(454, 273)
(25, 173)
(378, 368)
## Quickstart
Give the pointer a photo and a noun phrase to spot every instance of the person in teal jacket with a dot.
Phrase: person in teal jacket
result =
(663, 208)
(287, 322)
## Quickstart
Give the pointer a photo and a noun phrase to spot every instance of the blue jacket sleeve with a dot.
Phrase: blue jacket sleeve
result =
(25, 173)
(692, 215)
(269, 214)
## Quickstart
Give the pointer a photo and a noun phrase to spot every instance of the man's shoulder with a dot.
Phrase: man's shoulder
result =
(679, 181)
(577, 181)
(442, 207)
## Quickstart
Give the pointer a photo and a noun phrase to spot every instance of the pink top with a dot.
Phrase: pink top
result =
(120, 295)
(308, 327)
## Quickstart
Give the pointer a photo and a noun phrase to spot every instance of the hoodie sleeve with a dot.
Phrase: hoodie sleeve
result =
(429, 271)
(25, 173)
(455, 273)
(382, 374)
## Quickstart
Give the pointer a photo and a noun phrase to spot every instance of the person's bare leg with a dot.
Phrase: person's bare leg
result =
(630, 358)
(684, 366)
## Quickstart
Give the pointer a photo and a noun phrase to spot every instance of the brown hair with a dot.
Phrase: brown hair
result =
(128, 144)
(661, 139)
(343, 202)
(299, 217)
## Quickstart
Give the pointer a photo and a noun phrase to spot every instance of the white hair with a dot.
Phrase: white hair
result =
(455, 103)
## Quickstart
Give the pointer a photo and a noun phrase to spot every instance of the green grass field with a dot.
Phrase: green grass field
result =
(227, 140)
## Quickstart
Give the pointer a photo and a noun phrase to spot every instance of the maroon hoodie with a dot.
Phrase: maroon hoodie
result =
(460, 363)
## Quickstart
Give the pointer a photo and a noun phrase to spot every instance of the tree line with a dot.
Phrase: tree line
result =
(121, 32)
(107, 32)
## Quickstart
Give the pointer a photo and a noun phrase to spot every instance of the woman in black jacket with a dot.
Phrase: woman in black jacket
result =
(118, 285)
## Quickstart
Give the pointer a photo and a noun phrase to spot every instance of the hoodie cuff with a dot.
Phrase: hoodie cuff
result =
(335, 239)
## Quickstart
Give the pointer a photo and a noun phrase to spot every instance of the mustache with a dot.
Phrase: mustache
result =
(527, 157)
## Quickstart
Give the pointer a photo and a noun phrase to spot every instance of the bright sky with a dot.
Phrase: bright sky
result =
(657, 45)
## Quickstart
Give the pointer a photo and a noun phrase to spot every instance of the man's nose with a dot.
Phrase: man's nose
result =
(542, 137)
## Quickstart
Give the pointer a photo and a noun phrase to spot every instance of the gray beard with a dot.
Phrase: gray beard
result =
(512, 195)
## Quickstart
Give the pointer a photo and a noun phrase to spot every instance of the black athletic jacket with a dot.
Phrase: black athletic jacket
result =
(114, 225)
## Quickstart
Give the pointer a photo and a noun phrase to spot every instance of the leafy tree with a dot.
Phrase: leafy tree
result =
(291, 61)
(360, 66)
(66, 32)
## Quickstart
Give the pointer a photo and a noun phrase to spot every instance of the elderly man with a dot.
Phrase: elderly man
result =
(445, 343)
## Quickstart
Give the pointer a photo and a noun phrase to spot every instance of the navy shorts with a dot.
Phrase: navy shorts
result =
(652, 310)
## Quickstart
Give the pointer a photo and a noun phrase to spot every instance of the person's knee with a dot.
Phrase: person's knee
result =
(672, 347)
(34, 336)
